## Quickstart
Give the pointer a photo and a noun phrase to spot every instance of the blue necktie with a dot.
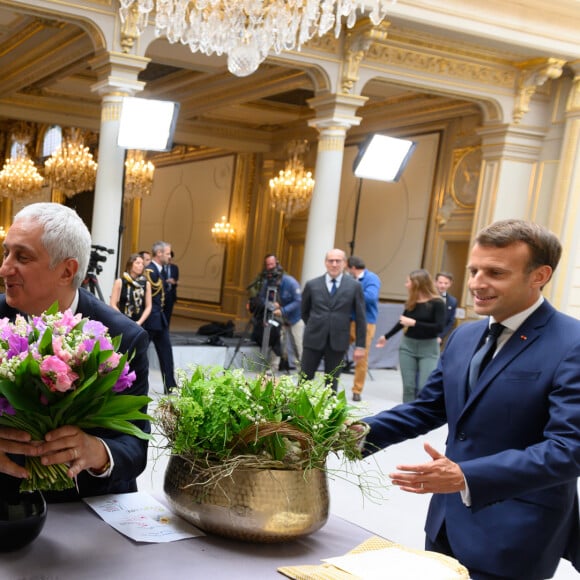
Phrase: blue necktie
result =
(333, 287)
(484, 354)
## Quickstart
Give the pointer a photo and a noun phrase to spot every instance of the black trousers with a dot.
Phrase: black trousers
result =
(333, 363)
(162, 343)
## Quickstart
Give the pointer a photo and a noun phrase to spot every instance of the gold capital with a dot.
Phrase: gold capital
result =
(533, 74)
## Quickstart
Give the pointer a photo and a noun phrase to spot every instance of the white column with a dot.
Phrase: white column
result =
(117, 79)
(334, 118)
(564, 291)
(108, 201)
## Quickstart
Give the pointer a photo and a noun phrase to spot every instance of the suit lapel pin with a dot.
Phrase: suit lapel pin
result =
(523, 337)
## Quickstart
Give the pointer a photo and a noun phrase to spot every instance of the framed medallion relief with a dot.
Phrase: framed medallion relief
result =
(465, 176)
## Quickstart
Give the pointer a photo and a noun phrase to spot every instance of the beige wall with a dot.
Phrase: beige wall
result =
(186, 200)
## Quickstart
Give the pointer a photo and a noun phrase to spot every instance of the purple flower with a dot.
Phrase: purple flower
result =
(39, 324)
(94, 328)
(6, 408)
(125, 380)
(16, 345)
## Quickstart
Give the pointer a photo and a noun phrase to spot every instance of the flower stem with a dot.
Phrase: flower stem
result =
(46, 477)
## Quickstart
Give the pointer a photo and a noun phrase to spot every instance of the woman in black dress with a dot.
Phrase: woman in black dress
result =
(131, 293)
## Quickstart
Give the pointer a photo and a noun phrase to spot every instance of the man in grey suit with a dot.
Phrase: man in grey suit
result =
(328, 303)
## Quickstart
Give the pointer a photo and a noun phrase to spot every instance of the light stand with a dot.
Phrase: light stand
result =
(355, 221)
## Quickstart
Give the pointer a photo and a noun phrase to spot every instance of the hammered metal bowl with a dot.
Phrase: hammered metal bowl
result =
(255, 505)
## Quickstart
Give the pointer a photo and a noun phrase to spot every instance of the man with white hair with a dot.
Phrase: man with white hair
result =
(46, 254)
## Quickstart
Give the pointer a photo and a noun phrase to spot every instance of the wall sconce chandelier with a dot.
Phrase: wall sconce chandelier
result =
(222, 231)
(138, 175)
(291, 190)
(71, 168)
(247, 30)
(19, 178)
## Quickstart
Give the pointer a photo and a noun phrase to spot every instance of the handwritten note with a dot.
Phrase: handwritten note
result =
(141, 517)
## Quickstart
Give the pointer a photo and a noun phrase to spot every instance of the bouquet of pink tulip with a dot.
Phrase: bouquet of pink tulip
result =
(61, 369)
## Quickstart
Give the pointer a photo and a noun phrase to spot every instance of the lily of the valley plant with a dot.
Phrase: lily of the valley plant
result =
(220, 420)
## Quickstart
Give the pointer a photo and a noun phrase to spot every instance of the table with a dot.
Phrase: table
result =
(76, 544)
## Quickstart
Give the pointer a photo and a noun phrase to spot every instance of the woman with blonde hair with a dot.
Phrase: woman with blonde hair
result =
(422, 321)
(131, 293)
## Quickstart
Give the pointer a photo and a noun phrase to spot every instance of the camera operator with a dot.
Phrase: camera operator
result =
(279, 309)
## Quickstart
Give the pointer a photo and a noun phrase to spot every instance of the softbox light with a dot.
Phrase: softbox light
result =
(147, 124)
(383, 158)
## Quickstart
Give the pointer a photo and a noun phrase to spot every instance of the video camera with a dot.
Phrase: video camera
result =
(98, 255)
(274, 276)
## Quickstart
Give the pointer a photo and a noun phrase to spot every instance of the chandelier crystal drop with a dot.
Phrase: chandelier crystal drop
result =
(19, 178)
(71, 168)
(291, 190)
(138, 175)
(248, 30)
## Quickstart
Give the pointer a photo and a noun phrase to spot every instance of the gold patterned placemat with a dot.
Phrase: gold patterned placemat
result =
(329, 572)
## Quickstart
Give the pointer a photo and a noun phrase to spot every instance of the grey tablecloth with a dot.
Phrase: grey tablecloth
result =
(76, 544)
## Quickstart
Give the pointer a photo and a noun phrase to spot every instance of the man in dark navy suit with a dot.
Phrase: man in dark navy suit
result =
(171, 280)
(328, 303)
(46, 254)
(156, 323)
(505, 491)
(443, 282)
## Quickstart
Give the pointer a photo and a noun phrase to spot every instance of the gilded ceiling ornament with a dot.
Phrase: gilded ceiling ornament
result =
(533, 74)
(357, 45)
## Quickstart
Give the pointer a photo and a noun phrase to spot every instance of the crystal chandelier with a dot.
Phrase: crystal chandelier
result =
(19, 178)
(138, 175)
(247, 30)
(291, 190)
(222, 231)
(71, 168)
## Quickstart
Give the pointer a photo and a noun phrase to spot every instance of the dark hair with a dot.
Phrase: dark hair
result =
(545, 248)
(356, 262)
(447, 275)
(130, 260)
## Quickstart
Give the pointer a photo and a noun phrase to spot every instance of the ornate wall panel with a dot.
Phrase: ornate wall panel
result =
(185, 202)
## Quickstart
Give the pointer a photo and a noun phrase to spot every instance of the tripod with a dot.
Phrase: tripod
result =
(91, 283)
(269, 320)
(239, 344)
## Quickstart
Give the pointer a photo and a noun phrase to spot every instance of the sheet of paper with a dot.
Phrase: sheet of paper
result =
(401, 564)
(141, 517)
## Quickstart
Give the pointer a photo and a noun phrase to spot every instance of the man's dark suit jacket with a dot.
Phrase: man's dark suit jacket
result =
(129, 453)
(327, 318)
(450, 308)
(516, 437)
(156, 320)
(171, 293)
